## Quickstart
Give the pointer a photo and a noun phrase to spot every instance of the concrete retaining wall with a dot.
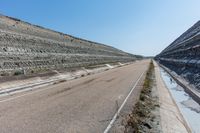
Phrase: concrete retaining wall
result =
(183, 56)
(29, 48)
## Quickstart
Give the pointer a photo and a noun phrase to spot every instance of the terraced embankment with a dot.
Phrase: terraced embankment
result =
(27, 48)
(183, 56)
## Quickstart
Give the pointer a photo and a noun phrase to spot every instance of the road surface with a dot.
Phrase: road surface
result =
(84, 105)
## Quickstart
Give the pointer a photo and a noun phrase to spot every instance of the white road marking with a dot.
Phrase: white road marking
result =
(119, 110)
(114, 117)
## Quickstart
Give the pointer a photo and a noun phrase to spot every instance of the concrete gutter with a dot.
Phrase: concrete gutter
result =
(186, 86)
(27, 86)
(172, 120)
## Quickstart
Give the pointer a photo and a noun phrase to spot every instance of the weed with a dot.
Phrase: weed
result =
(18, 72)
(141, 117)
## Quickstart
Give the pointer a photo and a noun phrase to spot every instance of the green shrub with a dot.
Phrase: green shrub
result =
(18, 72)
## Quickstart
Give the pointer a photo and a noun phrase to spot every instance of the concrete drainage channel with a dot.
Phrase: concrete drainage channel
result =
(188, 107)
(56, 79)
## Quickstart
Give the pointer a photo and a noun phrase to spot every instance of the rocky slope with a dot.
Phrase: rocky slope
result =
(183, 55)
(27, 48)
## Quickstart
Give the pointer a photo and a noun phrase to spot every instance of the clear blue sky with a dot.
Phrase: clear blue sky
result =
(137, 26)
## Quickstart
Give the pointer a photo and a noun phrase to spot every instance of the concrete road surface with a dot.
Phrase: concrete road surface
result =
(84, 105)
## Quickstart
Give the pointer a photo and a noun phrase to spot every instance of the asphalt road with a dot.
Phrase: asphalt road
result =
(84, 105)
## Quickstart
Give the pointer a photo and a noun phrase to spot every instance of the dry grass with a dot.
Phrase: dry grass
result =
(140, 118)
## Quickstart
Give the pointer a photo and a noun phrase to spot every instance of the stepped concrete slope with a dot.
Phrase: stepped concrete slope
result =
(27, 48)
(183, 56)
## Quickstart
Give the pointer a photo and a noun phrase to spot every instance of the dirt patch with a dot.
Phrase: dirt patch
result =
(69, 88)
(109, 80)
(88, 81)
(60, 81)
(60, 91)
(145, 116)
